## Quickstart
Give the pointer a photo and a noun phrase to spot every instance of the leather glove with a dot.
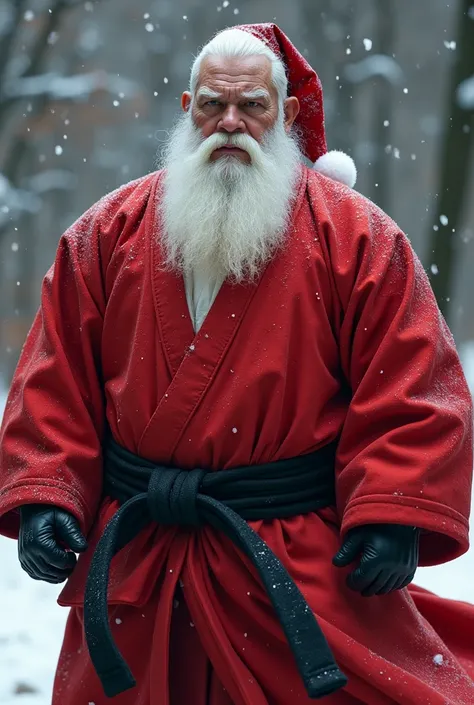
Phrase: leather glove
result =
(388, 557)
(44, 529)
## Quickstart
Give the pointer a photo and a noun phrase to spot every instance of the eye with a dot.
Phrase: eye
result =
(253, 104)
(212, 102)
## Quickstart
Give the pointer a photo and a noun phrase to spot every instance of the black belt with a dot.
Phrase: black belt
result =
(225, 500)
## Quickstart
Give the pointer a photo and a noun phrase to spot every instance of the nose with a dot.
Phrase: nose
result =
(231, 120)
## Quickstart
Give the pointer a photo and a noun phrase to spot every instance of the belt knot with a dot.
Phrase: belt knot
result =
(172, 495)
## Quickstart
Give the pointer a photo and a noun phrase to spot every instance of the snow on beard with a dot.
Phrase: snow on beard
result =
(226, 217)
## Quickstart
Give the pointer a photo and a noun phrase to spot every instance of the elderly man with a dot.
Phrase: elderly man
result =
(240, 390)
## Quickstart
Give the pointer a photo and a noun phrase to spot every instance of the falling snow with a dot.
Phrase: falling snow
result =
(465, 95)
(75, 94)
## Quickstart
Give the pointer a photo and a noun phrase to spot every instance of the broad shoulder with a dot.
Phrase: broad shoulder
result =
(344, 206)
(110, 213)
(127, 198)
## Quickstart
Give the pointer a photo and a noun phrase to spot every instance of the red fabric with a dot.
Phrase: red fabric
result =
(193, 681)
(304, 84)
(341, 337)
(133, 628)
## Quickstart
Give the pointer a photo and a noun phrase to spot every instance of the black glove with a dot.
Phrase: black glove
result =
(42, 529)
(388, 557)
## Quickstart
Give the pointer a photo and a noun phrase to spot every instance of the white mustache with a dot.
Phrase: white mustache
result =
(221, 139)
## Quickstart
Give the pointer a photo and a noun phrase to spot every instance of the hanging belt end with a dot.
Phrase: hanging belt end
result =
(325, 682)
(116, 681)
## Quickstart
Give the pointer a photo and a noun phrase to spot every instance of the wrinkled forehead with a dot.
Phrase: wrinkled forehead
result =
(236, 74)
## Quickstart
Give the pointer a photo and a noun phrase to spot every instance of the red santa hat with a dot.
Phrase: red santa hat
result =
(305, 85)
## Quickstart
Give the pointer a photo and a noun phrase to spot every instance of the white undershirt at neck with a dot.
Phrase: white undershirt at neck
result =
(201, 291)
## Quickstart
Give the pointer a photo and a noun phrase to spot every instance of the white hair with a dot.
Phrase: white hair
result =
(234, 43)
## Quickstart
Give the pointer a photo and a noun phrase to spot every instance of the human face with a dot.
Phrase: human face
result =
(236, 95)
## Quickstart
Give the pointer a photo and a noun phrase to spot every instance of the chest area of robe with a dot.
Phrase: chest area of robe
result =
(260, 379)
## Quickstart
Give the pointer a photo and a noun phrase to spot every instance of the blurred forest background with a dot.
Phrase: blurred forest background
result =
(89, 89)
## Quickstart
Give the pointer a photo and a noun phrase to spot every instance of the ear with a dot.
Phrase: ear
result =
(186, 99)
(291, 108)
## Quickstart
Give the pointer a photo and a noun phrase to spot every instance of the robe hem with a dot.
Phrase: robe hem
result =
(26, 492)
(425, 514)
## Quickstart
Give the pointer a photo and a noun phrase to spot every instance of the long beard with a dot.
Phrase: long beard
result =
(226, 217)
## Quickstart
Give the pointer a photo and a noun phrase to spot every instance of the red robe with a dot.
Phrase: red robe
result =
(340, 337)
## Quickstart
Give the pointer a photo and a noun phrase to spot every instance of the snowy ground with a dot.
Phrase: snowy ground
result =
(31, 623)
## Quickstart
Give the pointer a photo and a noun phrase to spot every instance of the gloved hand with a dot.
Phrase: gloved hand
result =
(388, 557)
(42, 528)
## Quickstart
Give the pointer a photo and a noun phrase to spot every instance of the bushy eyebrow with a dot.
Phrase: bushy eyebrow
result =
(257, 94)
(206, 92)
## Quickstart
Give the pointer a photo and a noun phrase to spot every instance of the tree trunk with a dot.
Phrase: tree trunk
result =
(454, 167)
(382, 107)
(344, 128)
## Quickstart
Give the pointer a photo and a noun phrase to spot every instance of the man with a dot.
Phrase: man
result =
(240, 312)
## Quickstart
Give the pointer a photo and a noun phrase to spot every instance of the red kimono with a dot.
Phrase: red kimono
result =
(340, 338)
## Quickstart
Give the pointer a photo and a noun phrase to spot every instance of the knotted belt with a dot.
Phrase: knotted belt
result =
(225, 500)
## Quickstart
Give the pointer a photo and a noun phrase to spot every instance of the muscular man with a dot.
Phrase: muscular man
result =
(240, 391)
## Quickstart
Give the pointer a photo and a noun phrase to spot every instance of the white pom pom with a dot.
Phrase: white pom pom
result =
(338, 166)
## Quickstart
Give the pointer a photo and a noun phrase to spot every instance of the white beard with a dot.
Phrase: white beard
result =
(226, 217)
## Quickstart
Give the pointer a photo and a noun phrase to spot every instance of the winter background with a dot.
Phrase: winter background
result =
(87, 92)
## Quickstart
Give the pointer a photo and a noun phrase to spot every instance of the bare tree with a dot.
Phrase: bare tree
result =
(14, 86)
(454, 165)
(25, 45)
(30, 95)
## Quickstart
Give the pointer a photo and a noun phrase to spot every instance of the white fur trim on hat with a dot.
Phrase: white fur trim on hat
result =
(338, 166)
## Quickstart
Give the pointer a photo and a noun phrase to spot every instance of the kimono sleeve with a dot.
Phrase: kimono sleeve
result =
(405, 453)
(50, 439)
